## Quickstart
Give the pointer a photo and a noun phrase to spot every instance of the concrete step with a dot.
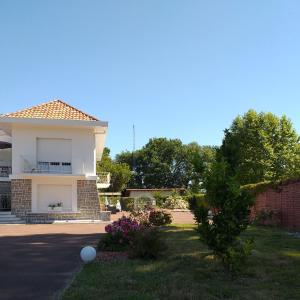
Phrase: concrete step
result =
(6, 217)
(9, 218)
(2, 222)
(4, 213)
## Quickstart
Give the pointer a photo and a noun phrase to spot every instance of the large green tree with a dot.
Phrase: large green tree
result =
(160, 163)
(261, 146)
(201, 159)
(120, 172)
(168, 163)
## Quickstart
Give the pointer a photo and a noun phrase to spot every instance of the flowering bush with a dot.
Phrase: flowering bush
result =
(141, 216)
(175, 202)
(136, 234)
(159, 217)
(119, 234)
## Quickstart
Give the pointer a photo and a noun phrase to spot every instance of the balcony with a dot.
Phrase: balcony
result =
(103, 180)
(48, 167)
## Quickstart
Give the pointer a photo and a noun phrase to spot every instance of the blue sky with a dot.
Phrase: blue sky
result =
(179, 69)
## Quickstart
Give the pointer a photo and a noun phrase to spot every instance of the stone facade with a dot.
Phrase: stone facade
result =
(87, 203)
(20, 197)
(87, 199)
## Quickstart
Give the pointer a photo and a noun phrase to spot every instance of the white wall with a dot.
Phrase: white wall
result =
(149, 194)
(24, 145)
(48, 190)
(5, 157)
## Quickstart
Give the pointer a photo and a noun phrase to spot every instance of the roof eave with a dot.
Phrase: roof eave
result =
(55, 122)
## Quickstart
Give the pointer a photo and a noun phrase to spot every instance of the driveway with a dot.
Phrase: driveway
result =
(37, 261)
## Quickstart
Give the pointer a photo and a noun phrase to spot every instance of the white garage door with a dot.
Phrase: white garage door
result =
(52, 194)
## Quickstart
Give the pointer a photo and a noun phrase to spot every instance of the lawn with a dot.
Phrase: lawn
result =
(186, 272)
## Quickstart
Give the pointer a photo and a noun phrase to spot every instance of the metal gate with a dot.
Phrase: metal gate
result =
(5, 202)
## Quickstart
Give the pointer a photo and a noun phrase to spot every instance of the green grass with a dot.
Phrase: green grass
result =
(186, 272)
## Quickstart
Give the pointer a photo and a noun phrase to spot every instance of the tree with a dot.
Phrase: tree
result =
(261, 146)
(169, 163)
(201, 159)
(231, 206)
(160, 163)
(120, 172)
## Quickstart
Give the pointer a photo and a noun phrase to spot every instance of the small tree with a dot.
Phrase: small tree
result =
(120, 172)
(231, 206)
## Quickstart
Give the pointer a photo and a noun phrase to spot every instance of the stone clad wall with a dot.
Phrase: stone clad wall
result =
(87, 199)
(20, 197)
(87, 203)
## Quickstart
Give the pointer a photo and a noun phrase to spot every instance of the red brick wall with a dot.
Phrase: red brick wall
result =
(284, 201)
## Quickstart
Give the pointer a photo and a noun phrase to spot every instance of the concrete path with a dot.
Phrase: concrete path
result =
(37, 261)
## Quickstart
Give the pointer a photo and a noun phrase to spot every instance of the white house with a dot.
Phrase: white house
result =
(48, 156)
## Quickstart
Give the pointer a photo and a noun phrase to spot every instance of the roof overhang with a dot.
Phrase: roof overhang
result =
(7, 122)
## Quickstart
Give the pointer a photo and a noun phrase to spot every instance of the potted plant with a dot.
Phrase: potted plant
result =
(58, 206)
(55, 207)
(51, 207)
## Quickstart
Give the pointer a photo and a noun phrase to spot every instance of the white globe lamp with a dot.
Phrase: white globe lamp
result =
(88, 254)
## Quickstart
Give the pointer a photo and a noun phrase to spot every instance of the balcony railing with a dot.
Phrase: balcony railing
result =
(5, 171)
(49, 167)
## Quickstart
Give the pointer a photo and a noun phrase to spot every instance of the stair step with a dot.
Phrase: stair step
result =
(9, 218)
(4, 213)
(12, 222)
(6, 217)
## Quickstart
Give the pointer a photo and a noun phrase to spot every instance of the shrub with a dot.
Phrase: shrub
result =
(222, 232)
(146, 244)
(119, 234)
(160, 217)
(196, 200)
(142, 216)
(159, 199)
(143, 203)
(267, 217)
(175, 202)
(127, 203)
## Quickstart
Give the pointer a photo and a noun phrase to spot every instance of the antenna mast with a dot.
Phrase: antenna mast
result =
(133, 148)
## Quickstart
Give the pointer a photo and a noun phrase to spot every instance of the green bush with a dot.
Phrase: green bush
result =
(267, 217)
(221, 233)
(143, 203)
(146, 244)
(160, 218)
(127, 203)
(175, 202)
(196, 200)
(258, 188)
(159, 199)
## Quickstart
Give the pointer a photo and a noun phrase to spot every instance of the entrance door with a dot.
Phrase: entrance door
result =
(5, 202)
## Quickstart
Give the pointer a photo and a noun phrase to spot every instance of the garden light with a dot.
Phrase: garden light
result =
(88, 254)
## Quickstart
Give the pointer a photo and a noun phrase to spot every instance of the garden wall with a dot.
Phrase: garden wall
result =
(284, 202)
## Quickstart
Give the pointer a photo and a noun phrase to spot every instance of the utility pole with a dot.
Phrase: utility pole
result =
(133, 148)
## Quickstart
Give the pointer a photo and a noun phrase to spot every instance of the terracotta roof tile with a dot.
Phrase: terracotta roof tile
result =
(56, 110)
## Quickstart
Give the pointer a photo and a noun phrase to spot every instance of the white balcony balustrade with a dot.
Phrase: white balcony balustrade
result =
(103, 180)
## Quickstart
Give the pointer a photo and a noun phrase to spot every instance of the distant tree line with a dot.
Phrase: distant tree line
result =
(256, 147)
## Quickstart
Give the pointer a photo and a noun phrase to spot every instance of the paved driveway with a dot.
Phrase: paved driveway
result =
(37, 261)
